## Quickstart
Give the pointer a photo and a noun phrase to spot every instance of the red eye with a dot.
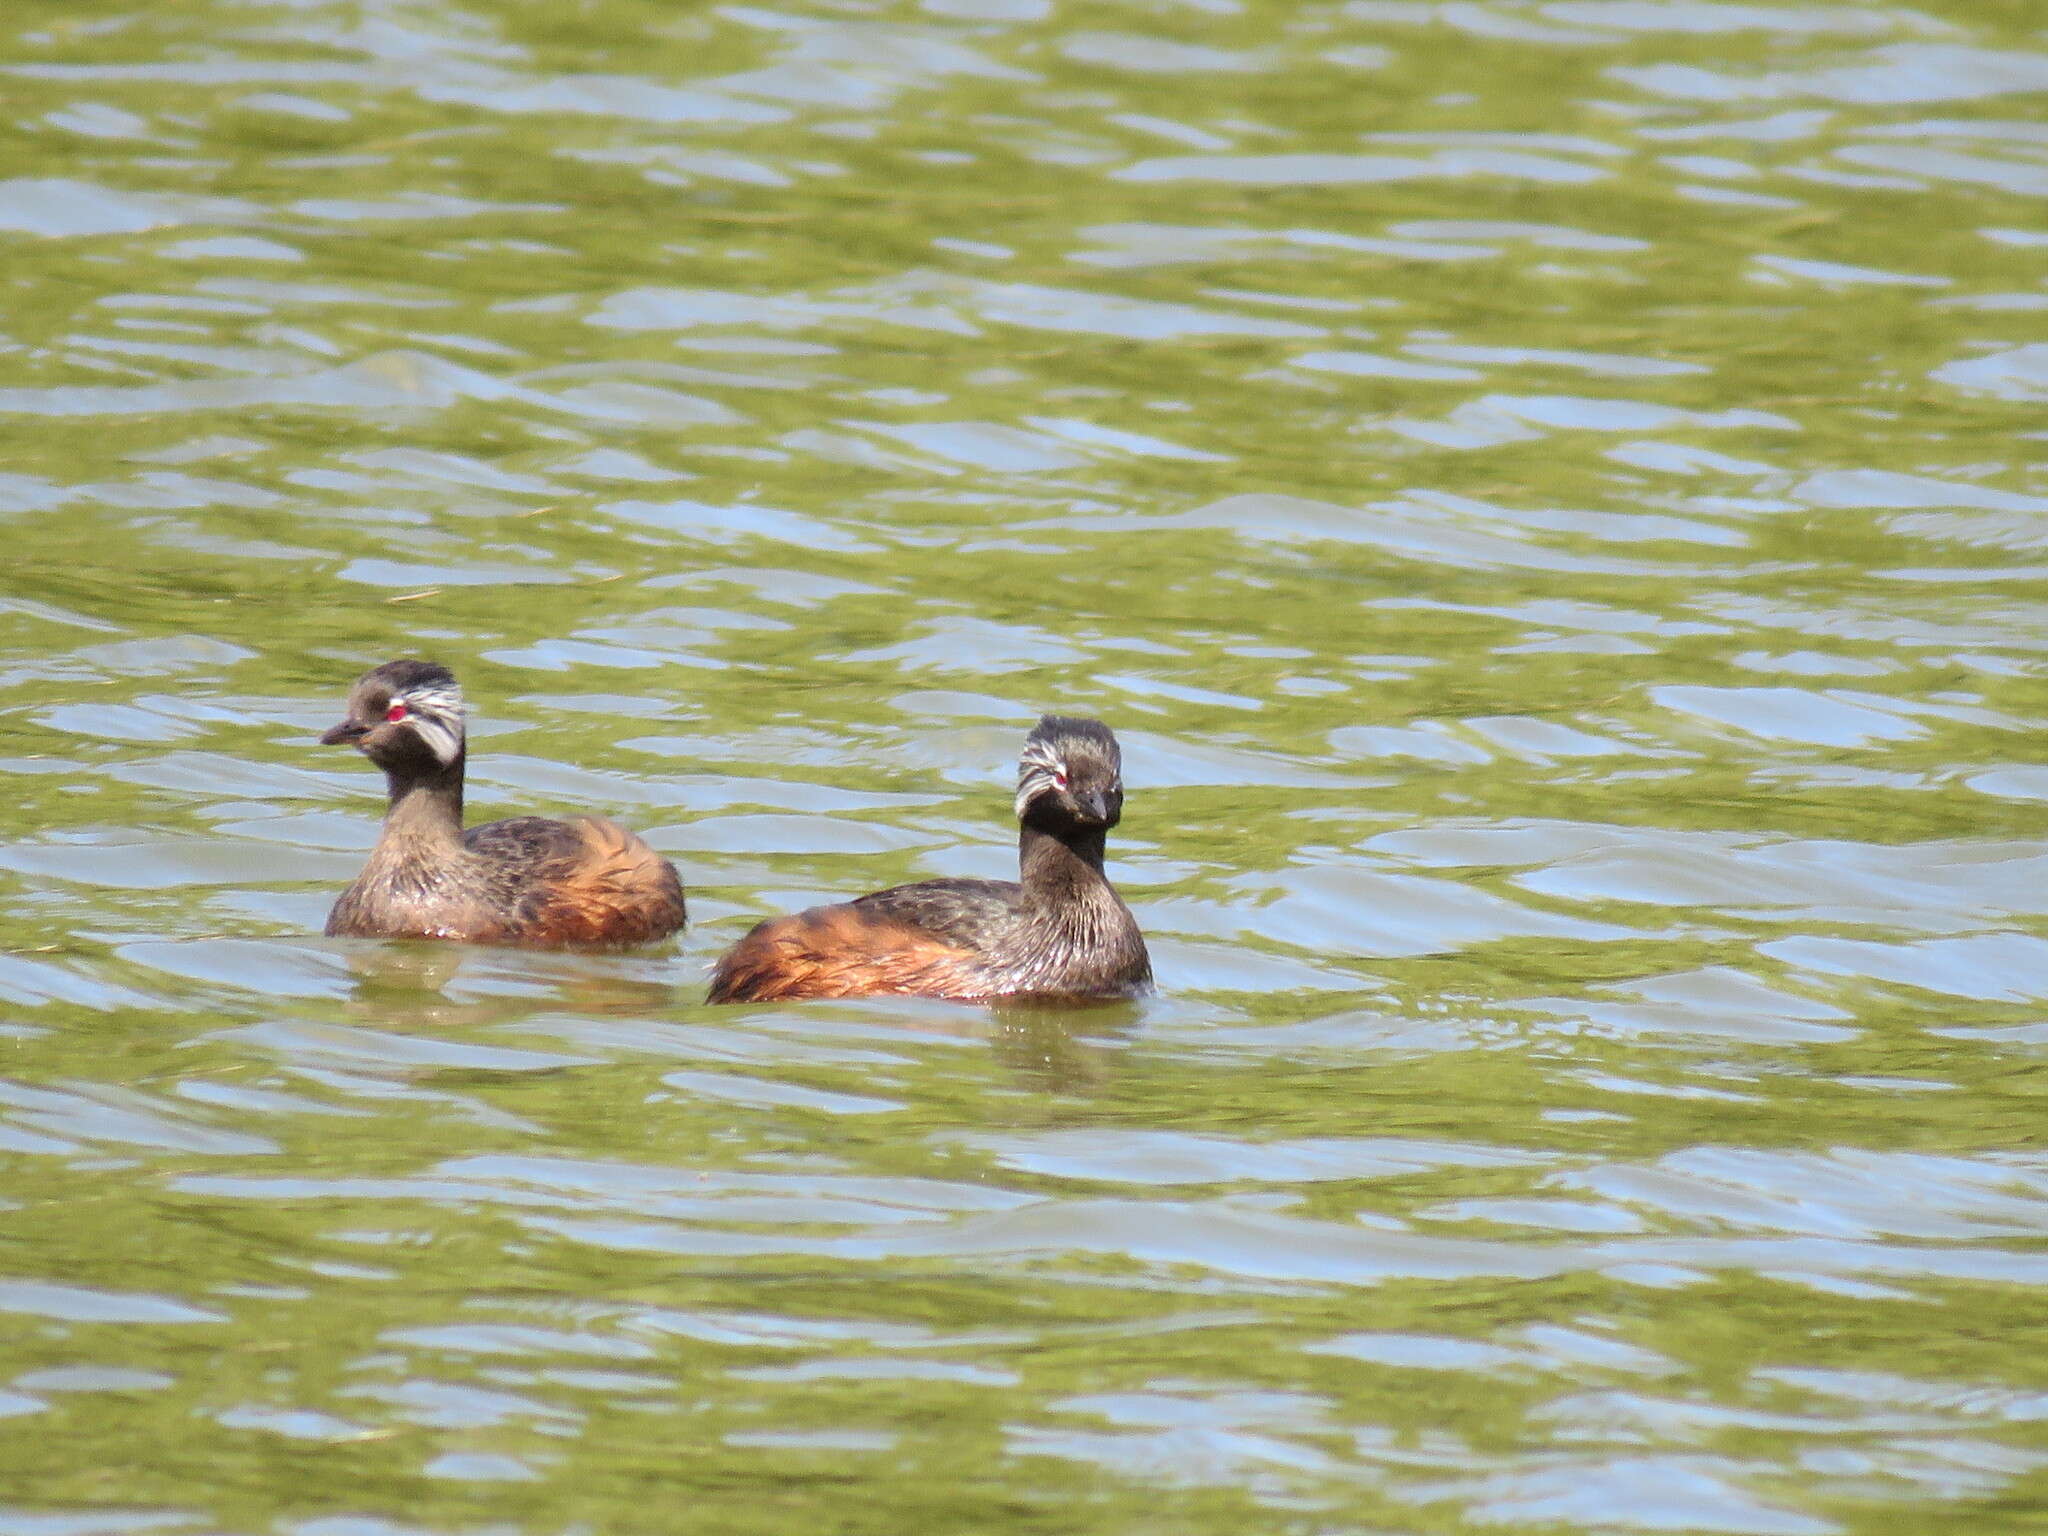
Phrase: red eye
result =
(395, 712)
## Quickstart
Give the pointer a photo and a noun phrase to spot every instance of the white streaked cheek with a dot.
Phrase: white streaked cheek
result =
(441, 741)
(444, 700)
(1034, 784)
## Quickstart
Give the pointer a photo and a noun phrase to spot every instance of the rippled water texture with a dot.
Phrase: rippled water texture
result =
(1550, 493)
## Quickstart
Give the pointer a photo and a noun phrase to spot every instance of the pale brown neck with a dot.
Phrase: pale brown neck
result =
(425, 812)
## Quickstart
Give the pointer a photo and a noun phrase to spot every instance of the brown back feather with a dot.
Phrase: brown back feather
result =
(613, 889)
(841, 951)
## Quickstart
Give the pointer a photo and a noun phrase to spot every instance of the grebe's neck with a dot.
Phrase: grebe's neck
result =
(425, 812)
(1076, 935)
(1056, 870)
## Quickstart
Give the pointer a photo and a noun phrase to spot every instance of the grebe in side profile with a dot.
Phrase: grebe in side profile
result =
(526, 880)
(1060, 930)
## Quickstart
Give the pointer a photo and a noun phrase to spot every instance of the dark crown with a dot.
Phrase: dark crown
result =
(1069, 732)
(409, 676)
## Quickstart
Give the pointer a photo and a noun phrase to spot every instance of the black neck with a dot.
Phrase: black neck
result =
(1057, 867)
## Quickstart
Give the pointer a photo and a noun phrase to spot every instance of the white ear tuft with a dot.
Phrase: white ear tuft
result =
(435, 714)
(1037, 772)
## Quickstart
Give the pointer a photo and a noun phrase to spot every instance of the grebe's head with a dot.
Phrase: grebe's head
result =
(1071, 777)
(405, 716)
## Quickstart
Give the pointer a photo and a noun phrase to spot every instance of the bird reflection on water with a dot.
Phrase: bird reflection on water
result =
(462, 994)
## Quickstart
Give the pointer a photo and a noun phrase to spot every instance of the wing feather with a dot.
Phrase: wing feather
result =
(850, 950)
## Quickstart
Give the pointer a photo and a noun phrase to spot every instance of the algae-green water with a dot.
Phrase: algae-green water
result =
(1550, 494)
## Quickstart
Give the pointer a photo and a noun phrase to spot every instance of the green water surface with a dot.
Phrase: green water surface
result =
(1551, 497)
